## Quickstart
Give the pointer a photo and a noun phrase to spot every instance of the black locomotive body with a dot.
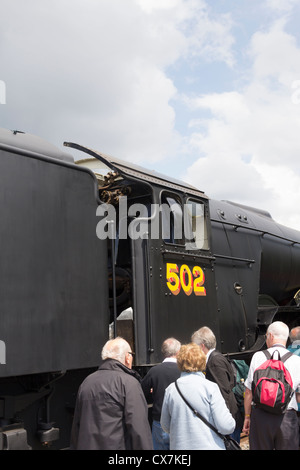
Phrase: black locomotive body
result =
(99, 247)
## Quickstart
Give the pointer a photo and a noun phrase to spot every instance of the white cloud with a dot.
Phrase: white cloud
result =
(250, 145)
(281, 6)
(89, 71)
(276, 55)
(212, 39)
(96, 72)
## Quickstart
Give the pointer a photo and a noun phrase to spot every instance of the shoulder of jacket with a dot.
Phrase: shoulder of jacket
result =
(216, 356)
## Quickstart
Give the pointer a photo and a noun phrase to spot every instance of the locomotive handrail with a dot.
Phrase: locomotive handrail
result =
(210, 258)
(263, 232)
(243, 260)
(182, 254)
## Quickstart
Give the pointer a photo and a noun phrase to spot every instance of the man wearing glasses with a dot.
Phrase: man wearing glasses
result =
(111, 412)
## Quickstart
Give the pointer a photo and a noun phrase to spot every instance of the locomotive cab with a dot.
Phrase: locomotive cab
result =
(159, 254)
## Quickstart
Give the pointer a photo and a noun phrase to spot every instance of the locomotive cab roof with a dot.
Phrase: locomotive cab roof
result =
(127, 169)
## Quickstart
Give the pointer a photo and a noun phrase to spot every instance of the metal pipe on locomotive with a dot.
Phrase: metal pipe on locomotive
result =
(64, 289)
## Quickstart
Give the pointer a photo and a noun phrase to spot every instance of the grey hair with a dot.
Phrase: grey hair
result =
(279, 329)
(115, 349)
(204, 336)
(295, 334)
(170, 347)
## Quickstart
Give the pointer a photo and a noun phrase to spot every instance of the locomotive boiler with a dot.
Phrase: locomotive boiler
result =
(93, 247)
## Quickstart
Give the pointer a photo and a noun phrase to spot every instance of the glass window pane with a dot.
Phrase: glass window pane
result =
(195, 226)
(172, 219)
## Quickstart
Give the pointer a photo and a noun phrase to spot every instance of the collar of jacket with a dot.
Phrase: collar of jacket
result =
(115, 365)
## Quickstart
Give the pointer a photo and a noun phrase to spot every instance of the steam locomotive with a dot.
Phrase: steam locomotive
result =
(95, 247)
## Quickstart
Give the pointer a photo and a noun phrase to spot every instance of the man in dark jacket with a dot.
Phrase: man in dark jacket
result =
(218, 368)
(154, 384)
(111, 411)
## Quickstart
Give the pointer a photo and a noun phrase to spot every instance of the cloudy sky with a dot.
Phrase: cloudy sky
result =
(204, 91)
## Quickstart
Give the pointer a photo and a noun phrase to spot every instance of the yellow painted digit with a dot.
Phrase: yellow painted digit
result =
(185, 272)
(199, 289)
(173, 281)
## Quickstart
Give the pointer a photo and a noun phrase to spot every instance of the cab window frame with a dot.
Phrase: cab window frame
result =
(200, 242)
(174, 229)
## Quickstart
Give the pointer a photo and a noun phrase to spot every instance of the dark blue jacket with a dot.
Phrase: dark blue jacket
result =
(156, 381)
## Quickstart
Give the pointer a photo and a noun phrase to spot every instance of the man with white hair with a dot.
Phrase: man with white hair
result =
(273, 431)
(111, 412)
(154, 385)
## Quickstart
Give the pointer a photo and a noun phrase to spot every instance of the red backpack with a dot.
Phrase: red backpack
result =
(272, 385)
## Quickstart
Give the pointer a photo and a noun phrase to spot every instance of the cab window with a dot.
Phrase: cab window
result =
(172, 219)
(195, 226)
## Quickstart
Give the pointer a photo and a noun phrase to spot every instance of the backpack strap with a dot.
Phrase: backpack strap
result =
(267, 354)
(282, 359)
(286, 356)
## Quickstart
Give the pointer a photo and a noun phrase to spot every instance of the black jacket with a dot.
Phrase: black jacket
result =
(156, 381)
(111, 411)
(220, 371)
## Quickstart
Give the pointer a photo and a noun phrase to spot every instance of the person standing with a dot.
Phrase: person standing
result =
(268, 431)
(295, 340)
(218, 368)
(241, 369)
(294, 347)
(186, 430)
(154, 384)
(111, 412)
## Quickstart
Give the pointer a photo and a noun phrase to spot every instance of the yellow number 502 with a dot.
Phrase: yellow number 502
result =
(183, 277)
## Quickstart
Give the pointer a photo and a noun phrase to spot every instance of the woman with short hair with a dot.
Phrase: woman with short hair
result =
(186, 430)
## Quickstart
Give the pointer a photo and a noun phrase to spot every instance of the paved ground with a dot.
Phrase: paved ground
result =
(244, 442)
